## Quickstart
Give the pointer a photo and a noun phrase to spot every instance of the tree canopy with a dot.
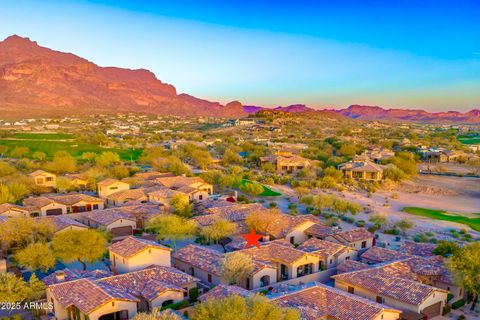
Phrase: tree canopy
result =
(172, 227)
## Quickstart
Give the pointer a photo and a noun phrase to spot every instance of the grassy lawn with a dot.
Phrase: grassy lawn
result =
(43, 136)
(267, 192)
(473, 223)
(465, 139)
(75, 149)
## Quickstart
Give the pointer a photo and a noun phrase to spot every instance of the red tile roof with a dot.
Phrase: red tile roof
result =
(131, 245)
(222, 291)
(322, 248)
(322, 301)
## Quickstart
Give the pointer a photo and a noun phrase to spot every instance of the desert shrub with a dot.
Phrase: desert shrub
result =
(457, 304)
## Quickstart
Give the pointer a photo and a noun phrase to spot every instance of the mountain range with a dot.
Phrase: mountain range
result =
(37, 81)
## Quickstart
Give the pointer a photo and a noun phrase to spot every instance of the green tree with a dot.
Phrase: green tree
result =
(157, 314)
(236, 267)
(63, 162)
(120, 171)
(465, 265)
(107, 158)
(13, 289)
(240, 308)
(19, 152)
(446, 248)
(39, 156)
(252, 188)
(181, 205)
(36, 256)
(172, 227)
(218, 230)
(404, 225)
(6, 169)
(23, 231)
(84, 246)
(231, 156)
(378, 219)
(5, 195)
(261, 220)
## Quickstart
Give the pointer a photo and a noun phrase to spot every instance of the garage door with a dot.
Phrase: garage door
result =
(54, 212)
(122, 231)
(433, 310)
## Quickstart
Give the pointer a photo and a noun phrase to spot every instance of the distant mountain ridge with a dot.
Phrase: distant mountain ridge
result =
(38, 81)
(379, 113)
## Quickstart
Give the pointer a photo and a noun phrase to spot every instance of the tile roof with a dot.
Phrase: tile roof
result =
(63, 221)
(4, 207)
(390, 282)
(351, 265)
(319, 230)
(37, 202)
(320, 301)
(362, 166)
(149, 282)
(67, 274)
(177, 182)
(71, 199)
(133, 245)
(321, 248)
(271, 253)
(282, 224)
(105, 217)
(418, 249)
(39, 172)
(108, 182)
(232, 213)
(353, 235)
(201, 258)
(163, 192)
(223, 291)
(129, 194)
(377, 255)
(86, 295)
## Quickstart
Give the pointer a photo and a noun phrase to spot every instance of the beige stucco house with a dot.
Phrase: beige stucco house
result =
(133, 254)
(119, 223)
(44, 179)
(13, 210)
(196, 188)
(43, 206)
(109, 186)
(362, 170)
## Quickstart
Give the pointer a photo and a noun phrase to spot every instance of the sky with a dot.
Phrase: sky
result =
(325, 54)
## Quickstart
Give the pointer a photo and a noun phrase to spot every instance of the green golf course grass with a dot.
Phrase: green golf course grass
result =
(465, 139)
(49, 143)
(473, 223)
(267, 192)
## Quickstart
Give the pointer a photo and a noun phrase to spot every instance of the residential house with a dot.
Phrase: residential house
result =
(224, 291)
(362, 170)
(63, 223)
(204, 264)
(376, 255)
(321, 302)
(43, 206)
(122, 197)
(331, 254)
(66, 275)
(376, 154)
(195, 187)
(78, 202)
(133, 254)
(358, 238)
(77, 180)
(286, 161)
(119, 223)
(289, 262)
(236, 213)
(44, 179)
(393, 285)
(109, 186)
(121, 296)
(13, 210)
(163, 196)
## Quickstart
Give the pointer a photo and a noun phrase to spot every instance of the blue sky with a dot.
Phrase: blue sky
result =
(416, 54)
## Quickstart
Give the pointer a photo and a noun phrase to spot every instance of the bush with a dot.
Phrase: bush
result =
(193, 293)
(446, 309)
(457, 304)
(361, 223)
(392, 231)
(177, 306)
(461, 317)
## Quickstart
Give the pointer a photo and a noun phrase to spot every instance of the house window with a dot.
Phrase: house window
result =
(49, 179)
(379, 299)
(331, 261)
(347, 258)
(95, 207)
(149, 251)
(320, 265)
(113, 303)
(185, 292)
(351, 290)
(200, 197)
(209, 278)
(248, 283)
(364, 244)
(292, 240)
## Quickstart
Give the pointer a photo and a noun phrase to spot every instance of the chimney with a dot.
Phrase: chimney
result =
(60, 276)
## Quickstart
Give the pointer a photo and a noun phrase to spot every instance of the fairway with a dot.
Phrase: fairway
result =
(47, 143)
(267, 192)
(473, 223)
(465, 139)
